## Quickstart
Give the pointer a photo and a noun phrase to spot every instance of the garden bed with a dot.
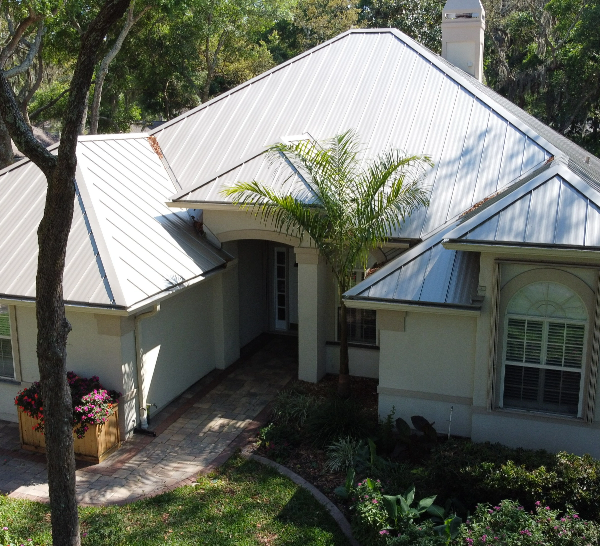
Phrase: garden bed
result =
(468, 480)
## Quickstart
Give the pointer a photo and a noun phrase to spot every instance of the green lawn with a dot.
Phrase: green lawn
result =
(243, 503)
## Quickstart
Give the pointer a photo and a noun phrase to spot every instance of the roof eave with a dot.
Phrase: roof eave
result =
(381, 304)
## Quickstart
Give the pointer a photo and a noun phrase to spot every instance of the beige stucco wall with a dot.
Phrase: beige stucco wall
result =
(364, 362)
(178, 343)
(93, 348)
(428, 368)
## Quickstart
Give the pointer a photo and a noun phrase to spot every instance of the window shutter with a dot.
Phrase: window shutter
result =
(495, 311)
(590, 405)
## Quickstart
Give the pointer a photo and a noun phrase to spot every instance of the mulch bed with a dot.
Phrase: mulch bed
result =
(308, 461)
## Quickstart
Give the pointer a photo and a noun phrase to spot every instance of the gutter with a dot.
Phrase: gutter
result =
(407, 305)
(139, 363)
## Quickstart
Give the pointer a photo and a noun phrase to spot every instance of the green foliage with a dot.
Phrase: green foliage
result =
(344, 491)
(478, 473)
(420, 19)
(544, 56)
(368, 514)
(421, 534)
(334, 419)
(400, 509)
(292, 407)
(345, 453)
(279, 441)
(510, 524)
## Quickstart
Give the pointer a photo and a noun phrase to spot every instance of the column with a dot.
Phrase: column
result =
(312, 327)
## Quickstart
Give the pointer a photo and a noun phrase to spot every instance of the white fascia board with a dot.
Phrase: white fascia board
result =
(528, 251)
(413, 308)
(202, 205)
(79, 307)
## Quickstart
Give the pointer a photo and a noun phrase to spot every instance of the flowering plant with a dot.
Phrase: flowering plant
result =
(92, 403)
(509, 524)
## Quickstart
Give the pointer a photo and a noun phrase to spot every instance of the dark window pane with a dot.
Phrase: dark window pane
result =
(280, 313)
(280, 258)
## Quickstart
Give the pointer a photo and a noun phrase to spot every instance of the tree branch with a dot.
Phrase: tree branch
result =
(21, 132)
(33, 49)
(50, 104)
(13, 43)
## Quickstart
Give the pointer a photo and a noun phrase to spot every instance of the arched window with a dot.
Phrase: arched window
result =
(545, 339)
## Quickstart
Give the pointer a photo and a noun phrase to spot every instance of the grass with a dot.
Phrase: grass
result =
(244, 503)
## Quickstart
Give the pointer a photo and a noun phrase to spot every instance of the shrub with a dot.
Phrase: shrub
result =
(344, 453)
(292, 407)
(477, 473)
(510, 524)
(337, 418)
(92, 403)
(420, 534)
(278, 440)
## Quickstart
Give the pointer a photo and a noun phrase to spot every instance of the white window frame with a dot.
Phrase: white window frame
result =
(542, 365)
(12, 343)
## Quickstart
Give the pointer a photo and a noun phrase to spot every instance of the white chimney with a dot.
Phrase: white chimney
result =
(463, 23)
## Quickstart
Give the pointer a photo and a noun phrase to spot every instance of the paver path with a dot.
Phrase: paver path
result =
(196, 432)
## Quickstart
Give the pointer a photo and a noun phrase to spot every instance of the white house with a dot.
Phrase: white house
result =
(487, 302)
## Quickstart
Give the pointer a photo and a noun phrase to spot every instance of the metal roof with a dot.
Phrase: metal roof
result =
(125, 244)
(393, 91)
(556, 207)
(435, 276)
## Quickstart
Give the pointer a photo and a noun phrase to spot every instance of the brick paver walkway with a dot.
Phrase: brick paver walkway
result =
(196, 433)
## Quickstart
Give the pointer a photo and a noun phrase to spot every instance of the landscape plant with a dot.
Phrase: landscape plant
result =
(356, 203)
(92, 403)
(510, 524)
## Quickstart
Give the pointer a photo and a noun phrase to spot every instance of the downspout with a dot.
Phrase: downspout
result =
(139, 361)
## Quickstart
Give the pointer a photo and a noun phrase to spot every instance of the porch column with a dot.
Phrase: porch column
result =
(312, 298)
(226, 316)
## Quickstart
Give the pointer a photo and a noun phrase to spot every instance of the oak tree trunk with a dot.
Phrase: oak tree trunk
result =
(6, 151)
(53, 234)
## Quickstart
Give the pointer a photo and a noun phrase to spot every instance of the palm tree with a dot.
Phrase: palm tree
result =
(356, 204)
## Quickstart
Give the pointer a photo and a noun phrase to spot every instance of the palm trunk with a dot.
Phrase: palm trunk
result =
(344, 377)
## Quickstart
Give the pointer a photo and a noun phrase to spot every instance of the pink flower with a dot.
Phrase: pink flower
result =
(538, 503)
(384, 532)
(374, 501)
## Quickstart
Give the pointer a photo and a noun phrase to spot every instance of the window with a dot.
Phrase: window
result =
(545, 338)
(7, 368)
(362, 323)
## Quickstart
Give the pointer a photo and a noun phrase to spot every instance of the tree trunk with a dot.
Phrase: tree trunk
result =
(53, 329)
(7, 156)
(344, 377)
(53, 233)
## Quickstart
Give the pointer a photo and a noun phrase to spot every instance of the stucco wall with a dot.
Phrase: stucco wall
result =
(178, 343)
(427, 368)
(363, 362)
(93, 348)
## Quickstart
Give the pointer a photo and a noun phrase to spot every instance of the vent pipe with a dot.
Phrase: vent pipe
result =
(463, 24)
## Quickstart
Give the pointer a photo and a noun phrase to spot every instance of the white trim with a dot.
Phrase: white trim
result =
(115, 136)
(518, 250)
(416, 308)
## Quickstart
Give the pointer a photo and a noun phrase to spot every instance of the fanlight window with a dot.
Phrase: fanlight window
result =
(545, 335)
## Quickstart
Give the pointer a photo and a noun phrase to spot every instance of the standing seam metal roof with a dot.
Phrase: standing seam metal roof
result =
(393, 91)
(125, 244)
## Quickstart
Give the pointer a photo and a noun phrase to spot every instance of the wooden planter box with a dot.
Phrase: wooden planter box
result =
(97, 444)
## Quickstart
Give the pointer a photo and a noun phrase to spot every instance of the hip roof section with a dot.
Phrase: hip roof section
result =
(125, 245)
(393, 91)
